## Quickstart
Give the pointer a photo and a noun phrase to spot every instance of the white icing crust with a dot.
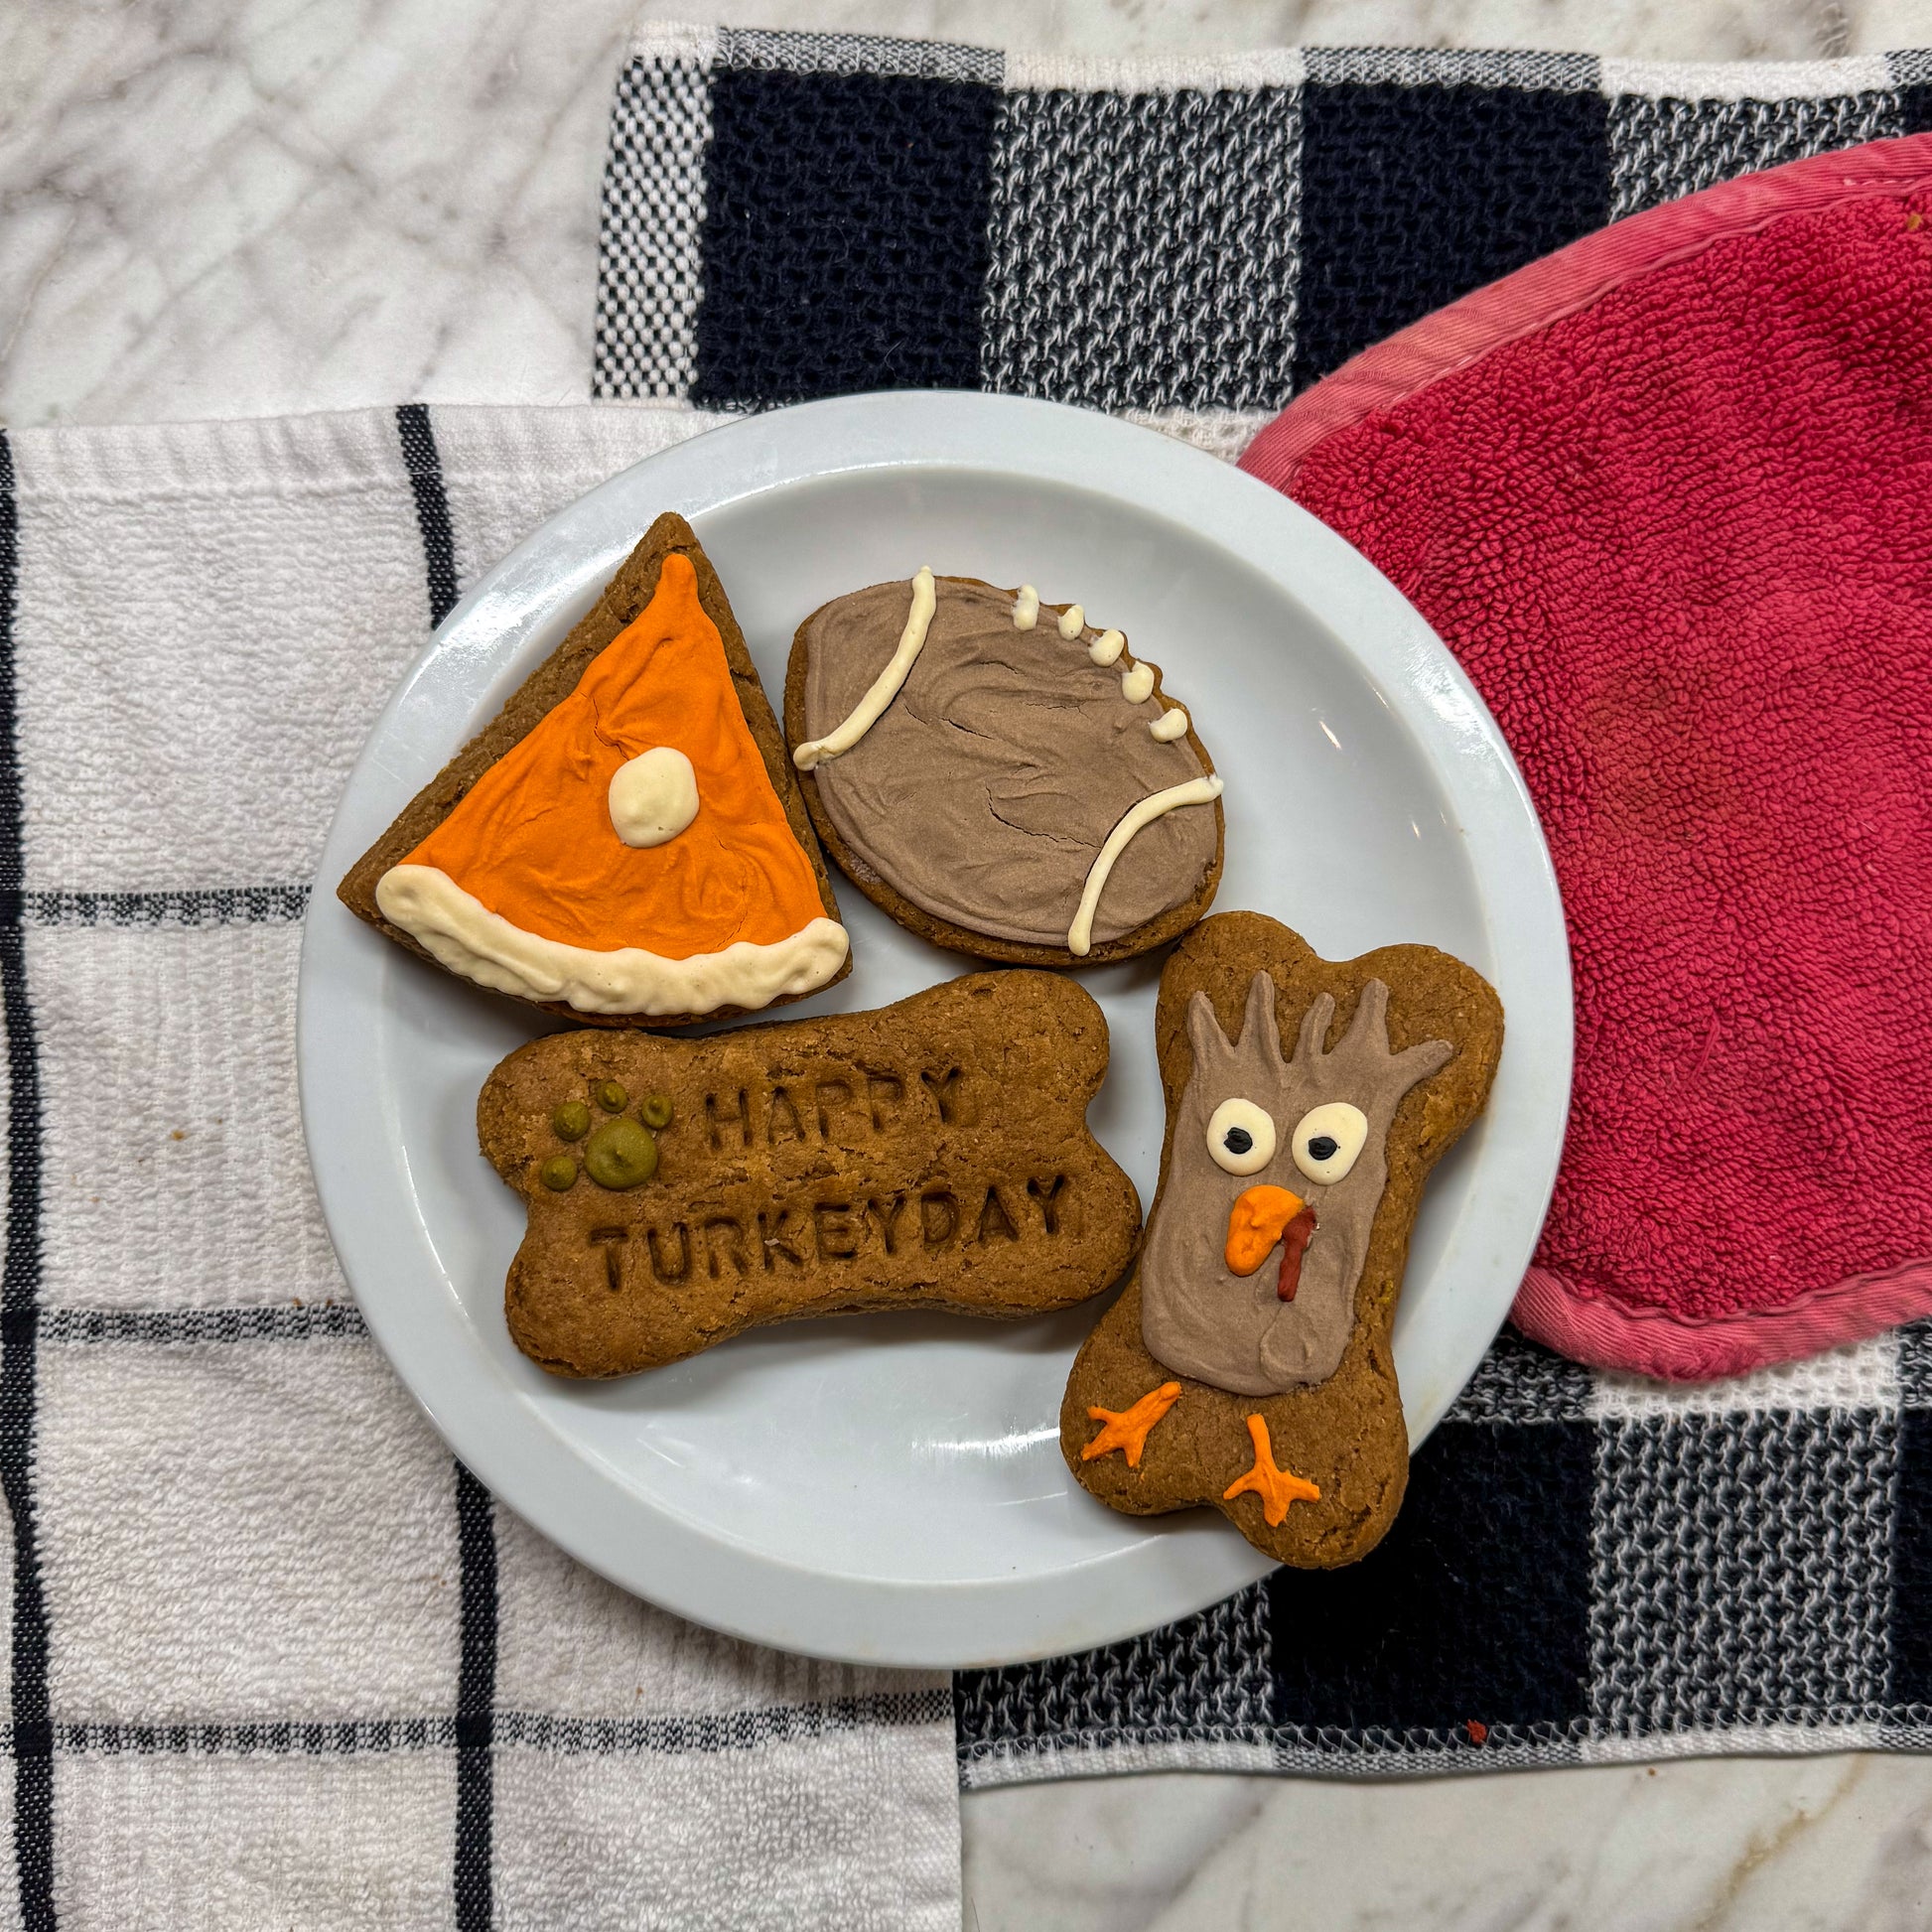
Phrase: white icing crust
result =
(462, 934)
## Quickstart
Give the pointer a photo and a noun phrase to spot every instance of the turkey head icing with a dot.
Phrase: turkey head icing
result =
(1248, 1279)
(1249, 1365)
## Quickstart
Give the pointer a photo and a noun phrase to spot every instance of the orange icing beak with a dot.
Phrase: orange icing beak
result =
(1255, 1224)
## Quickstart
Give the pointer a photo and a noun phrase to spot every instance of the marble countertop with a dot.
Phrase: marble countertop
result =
(1739, 1845)
(235, 207)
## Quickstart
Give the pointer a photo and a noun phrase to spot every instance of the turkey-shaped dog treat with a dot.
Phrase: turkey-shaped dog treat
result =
(933, 1154)
(1249, 1363)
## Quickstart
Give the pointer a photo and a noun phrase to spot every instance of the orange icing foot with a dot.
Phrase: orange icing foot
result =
(1277, 1488)
(1127, 1429)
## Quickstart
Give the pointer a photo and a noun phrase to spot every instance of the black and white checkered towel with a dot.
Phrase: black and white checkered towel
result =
(1586, 1568)
(273, 1659)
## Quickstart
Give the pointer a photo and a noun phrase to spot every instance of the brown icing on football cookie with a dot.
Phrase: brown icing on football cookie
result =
(1307, 1100)
(999, 775)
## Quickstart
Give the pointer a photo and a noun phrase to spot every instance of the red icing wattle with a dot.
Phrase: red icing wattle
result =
(1294, 1243)
(1664, 497)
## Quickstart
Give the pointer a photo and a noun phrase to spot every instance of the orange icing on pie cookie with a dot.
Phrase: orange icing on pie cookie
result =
(534, 841)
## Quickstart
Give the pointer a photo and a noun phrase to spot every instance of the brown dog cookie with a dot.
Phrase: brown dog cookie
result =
(933, 1154)
(976, 805)
(652, 853)
(1249, 1363)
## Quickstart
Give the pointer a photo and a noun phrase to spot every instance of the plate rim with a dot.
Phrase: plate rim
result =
(708, 1574)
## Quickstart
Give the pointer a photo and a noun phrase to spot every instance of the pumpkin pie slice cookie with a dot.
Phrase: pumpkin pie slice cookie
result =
(626, 845)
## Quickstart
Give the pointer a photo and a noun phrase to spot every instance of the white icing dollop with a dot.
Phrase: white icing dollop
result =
(1073, 621)
(1025, 608)
(653, 796)
(1169, 726)
(1137, 685)
(1107, 647)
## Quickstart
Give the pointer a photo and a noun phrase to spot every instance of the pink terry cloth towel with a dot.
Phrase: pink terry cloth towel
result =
(1667, 494)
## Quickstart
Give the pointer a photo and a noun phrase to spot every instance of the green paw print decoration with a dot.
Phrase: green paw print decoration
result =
(620, 1152)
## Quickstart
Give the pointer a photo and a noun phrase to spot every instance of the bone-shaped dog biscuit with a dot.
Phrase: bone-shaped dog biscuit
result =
(932, 1153)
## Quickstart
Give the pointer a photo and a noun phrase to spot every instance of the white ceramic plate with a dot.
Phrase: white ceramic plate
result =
(891, 1488)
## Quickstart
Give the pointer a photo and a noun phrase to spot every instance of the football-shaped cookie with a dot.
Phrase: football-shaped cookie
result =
(998, 775)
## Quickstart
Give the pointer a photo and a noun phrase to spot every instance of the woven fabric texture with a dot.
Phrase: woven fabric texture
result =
(1587, 1569)
(1588, 1566)
(863, 213)
(273, 1658)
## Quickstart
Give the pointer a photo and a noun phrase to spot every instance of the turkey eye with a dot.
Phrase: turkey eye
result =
(1240, 1137)
(1327, 1140)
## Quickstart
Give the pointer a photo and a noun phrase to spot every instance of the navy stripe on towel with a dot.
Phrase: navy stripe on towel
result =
(20, 1274)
